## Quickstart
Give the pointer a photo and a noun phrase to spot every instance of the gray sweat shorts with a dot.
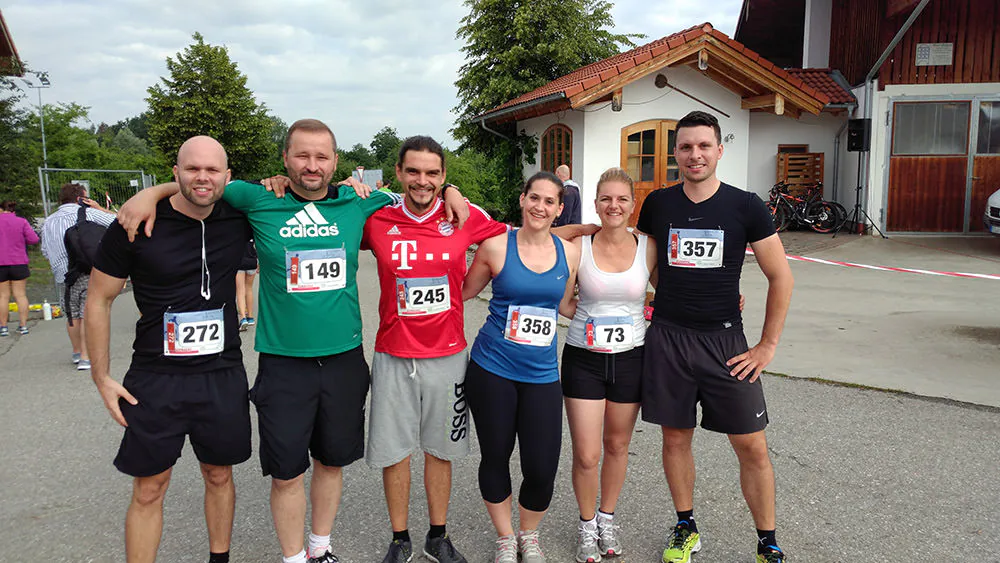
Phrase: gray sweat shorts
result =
(417, 402)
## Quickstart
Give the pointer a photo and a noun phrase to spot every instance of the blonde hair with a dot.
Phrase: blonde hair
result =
(616, 174)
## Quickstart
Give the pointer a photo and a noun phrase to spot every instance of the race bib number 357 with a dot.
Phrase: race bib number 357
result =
(197, 333)
(315, 270)
(695, 248)
(531, 326)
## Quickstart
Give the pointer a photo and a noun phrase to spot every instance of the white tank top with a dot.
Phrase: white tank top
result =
(609, 314)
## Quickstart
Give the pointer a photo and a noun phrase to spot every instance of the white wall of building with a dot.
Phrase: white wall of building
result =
(642, 100)
(768, 131)
(537, 126)
(816, 38)
(878, 176)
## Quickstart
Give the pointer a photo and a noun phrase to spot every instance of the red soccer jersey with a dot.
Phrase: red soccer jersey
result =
(421, 267)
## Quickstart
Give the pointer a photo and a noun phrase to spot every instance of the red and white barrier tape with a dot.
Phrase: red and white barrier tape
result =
(889, 268)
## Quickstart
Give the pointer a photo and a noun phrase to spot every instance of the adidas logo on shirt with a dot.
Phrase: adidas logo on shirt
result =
(393, 231)
(308, 223)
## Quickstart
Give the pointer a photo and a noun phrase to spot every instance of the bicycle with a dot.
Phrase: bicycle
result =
(812, 210)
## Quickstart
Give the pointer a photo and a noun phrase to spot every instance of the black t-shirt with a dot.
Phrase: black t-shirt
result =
(701, 288)
(167, 278)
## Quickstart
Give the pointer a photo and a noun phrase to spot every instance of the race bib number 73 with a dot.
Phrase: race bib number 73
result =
(696, 248)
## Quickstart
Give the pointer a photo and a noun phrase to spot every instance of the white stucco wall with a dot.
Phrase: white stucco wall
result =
(600, 134)
(816, 38)
(538, 125)
(768, 131)
(878, 176)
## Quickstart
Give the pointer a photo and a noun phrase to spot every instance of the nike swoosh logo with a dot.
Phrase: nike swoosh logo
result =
(695, 218)
(761, 413)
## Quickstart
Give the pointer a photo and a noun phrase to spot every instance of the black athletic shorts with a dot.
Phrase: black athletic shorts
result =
(597, 375)
(683, 367)
(310, 406)
(210, 407)
(16, 272)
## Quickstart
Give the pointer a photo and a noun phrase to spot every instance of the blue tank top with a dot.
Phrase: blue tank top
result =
(523, 312)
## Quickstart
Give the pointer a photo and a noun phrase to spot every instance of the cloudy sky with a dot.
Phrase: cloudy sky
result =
(358, 65)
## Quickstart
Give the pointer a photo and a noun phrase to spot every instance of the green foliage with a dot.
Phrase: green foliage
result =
(18, 179)
(511, 48)
(206, 94)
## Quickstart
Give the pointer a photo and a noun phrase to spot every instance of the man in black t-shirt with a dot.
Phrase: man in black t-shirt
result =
(695, 347)
(186, 377)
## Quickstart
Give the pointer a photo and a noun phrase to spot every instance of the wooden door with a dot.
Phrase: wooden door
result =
(928, 167)
(647, 154)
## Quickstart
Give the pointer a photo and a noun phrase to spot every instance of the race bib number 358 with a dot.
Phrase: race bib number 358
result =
(315, 270)
(696, 248)
(197, 333)
(531, 326)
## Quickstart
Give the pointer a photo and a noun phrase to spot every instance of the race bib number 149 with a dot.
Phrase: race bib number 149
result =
(315, 270)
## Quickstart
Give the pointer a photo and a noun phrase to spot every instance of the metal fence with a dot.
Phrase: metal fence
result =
(109, 188)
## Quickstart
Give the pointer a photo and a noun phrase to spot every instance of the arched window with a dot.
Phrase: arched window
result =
(557, 147)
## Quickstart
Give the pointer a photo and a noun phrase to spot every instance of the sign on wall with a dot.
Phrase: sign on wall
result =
(935, 54)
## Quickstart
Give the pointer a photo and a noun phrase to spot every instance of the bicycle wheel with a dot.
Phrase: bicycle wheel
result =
(822, 217)
(780, 214)
(841, 213)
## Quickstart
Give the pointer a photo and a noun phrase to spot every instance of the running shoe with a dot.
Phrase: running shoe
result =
(400, 551)
(681, 544)
(84, 365)
(531, 550)
(441, 550)
(22, 330)
(244, 324)
(775, 555)
(4, 331)
(506, 550)
(76, 357)
(586, 544)
(327, 557)
(251, 321)
(608, 541)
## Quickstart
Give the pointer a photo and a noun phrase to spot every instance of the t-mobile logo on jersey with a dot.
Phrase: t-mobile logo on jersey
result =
(407, 251)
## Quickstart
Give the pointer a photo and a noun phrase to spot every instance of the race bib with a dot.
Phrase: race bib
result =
(417, 297)
(315, 270)
(695, 248)
(531, 326)
(197, 333)
(609, 334)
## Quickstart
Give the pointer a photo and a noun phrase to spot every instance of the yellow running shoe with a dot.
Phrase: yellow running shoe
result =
(681, 544)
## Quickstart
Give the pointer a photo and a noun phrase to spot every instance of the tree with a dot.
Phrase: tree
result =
(511, 48)
(385, 145)
(18, 180)
(206, 94)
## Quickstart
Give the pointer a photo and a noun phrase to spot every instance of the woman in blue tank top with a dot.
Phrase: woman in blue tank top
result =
(512, 383)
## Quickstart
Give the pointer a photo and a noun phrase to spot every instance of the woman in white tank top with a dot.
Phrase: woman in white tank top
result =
(602, 360)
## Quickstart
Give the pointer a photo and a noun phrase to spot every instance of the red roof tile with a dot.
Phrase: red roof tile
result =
(822, 79)
(592, 75)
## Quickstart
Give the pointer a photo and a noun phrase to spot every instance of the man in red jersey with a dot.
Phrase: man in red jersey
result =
(418, 372)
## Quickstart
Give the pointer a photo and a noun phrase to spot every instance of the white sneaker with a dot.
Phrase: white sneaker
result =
(607, 537)
(531, 551)
(506, 550)
(586, 545)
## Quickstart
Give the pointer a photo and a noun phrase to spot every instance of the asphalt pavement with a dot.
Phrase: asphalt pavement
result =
(862, 474)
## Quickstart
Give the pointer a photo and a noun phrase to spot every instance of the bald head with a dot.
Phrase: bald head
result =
(562, 172)
(203, 147)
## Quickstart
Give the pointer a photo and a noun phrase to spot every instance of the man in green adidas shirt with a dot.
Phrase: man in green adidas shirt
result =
(313, 379)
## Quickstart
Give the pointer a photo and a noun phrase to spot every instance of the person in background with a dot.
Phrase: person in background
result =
(15, 235)
(53, 231)
(571, 199)
(244, 286)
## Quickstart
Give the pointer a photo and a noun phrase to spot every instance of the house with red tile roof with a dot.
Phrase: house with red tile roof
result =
(926, 76)
(622, 111)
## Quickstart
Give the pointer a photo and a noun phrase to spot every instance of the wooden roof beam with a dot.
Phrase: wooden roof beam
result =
(772, 100)
(656, 63)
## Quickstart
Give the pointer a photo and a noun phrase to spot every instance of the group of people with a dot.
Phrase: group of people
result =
(187, 379)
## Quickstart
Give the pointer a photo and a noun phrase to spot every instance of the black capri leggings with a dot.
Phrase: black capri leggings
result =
(531, 412)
